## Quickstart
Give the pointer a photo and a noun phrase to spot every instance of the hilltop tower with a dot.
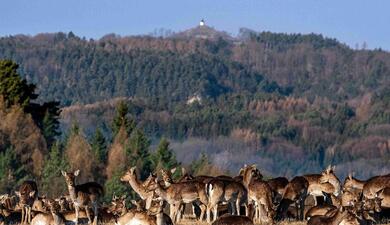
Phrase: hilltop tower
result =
(202, 23)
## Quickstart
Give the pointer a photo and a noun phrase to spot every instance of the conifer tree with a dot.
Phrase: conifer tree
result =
(139, 153)
(122, 119)
(99, 146)
(164, 157)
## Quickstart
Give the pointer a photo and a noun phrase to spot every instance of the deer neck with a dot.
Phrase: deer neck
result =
(137, 187)
(337, 186)
(161, 191)
(159, 218)
(358, 184)
(72, 192)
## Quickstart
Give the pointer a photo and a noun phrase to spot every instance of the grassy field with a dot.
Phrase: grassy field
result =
(192, 222)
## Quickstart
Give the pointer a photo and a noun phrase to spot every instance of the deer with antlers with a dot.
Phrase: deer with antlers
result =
(83, 195)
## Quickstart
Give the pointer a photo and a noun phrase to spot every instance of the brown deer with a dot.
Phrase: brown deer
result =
(352, 184)
(83, 195)
(336, 219)
(295, 192)
(277, 185)
(259, 192)
(233, 220)
(384, 197)
(140, 188)
(144, 217)
(328, 176)
(184, 192)
(317, 189)
(51, 218)
(27, 194)
(225, 190)
(374, 185)
(319, 210)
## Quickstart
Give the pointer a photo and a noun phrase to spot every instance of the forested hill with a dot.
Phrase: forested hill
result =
(290, 102)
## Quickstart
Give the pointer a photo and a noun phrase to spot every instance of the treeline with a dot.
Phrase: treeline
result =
(28, 151)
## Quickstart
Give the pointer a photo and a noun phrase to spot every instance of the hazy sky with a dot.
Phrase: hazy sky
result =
(350, 21)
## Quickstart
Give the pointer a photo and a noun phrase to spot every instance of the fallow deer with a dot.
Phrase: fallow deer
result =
(233, 220)
(328, 176)
(144, 193)
(374, 185)
(223, 190)
(144, 217)
(319, 210)
(336, 219)
(83, 195)
(260, 193)
(317, 189)
(295, 192)
(277, 185)
(51, 218)
(28, 193)
(384, 196)
(352, 184)
(184, 192)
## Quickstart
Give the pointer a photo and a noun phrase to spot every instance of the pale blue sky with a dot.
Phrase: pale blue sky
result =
(350, 21)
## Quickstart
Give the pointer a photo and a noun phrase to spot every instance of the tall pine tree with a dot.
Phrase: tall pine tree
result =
(122, 119)
(99, 146)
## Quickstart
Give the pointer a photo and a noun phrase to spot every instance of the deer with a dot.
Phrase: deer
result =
(141, 216)
(184, 192)
(233, 220)
(83, 195)
(352, 184)
(27, 194)
(141, 189)
(336, 219)
(374, 185)
(277, 185)
(295, 192)
(51, 218)
(384, 196)
(328, 176)
(317, 189)
(259, 192)
(221, 190)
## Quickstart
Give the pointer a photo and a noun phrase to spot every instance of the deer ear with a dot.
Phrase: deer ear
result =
(63, 173)
(76, 173)
(32, 193)
(173, 170)
(17, 193)
(333, 168)
(133, 202)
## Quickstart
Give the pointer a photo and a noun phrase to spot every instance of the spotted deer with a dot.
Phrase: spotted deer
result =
(317, 189)
(27, 194)
(328, 176)
(222, 190)
(277, 185)
(83, 195)
(260, 193)
(144, 193)
(53, 217)
(335, 219)
(374, 185)
(294, 193)
(179, 193)
(352, 184)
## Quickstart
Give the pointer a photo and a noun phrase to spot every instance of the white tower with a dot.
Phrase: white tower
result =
(202, 23)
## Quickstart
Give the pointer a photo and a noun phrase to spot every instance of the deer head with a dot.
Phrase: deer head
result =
(328, 175)
(70, 178)
(129, 174)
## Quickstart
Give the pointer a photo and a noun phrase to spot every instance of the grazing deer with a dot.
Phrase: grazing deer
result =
(319, 210)
(374, 185)
(83, 195)
(28, 193)
(233, 220)
(141, 189)
(295, 192)
(184, 192)
(259, 192)
(222, 190)
(277, 185)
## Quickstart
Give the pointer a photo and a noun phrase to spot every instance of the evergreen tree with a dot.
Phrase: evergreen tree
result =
(199, 165)
(164, 157)
(50, 127)
(13, 88)
(99, 146)
(138, 152)
(121, 119)
(52, 182)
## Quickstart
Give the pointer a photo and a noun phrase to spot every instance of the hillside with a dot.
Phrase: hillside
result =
(290, 102)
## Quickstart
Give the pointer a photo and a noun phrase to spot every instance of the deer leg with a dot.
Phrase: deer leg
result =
(88, 215)
(171, 212)
(215, 213)
(22, 220)
(28, 214)
(76, 208)
(202, 211)
(95, 213)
